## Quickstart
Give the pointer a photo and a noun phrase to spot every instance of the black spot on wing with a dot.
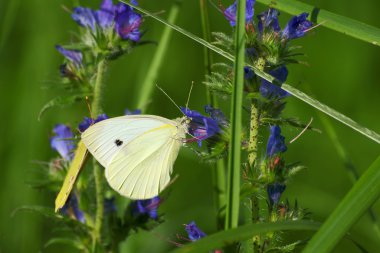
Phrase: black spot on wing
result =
(118, 142)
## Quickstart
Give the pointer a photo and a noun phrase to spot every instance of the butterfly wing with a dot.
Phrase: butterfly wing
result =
(142, 168)
(105, 138)
(138, 152)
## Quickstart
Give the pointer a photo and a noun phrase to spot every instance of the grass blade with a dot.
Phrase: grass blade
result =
(234, 154)
(362, 195)
(295, 92)
(350, 167)
(218, 170)
(330, 20)
(223, 238)
(149, 81)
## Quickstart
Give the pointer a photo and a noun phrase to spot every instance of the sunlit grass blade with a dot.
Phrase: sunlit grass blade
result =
(145, 92)
(328, 19)
(295, 92)
(362, 195)
(234, 154)
(72, 175)
(223, 238)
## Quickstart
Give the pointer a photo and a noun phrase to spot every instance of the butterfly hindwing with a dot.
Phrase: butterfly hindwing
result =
(142, 168)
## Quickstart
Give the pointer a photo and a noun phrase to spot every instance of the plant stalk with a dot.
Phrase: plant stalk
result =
(154, 67)
(218, 172)
(98, 171)
(234, 158)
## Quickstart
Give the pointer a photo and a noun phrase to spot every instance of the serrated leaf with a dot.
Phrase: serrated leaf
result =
(62, 101)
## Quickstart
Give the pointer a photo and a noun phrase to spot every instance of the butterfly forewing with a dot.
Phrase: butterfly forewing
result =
(105, 138)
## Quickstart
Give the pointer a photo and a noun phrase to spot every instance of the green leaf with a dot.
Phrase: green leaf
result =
(67, 241)
(295, 92)
(328, 19)
(62, 101)
(221, 239)
(362, 195)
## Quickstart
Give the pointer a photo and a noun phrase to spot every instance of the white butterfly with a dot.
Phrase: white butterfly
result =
(137, 151)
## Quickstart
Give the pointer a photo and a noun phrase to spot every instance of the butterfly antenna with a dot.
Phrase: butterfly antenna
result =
(170, 98)
(188, 97)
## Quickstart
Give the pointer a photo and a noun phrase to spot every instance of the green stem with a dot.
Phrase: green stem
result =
(98, 171)
(150, 78)
(253, 135)
(218, 172)
(234, 164)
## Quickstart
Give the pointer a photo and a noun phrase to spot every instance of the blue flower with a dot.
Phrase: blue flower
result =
(121, 16)
(105, 15)
(268, 19)
(276, 142)
(84, 17)
(87, 122)
(127, 23)
(216, 114)
(148, 206)
(193, 232)
(74, 56)
(274, 192)
(272, 91)
(71, 208)
(109, 205)
(296, 27)
(248, 73)
(201, 127)
(61, 142)
(134, 112)
(230, 12)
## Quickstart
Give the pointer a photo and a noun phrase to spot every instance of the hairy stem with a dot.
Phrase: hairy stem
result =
(98, 171)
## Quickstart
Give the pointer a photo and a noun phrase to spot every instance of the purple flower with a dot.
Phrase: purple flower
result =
(230, 12)
(127, 23)
(105, 15)
(269, 90)
(296, 27)
(248, 73)
(269, 19)
(74, 56)
(216, 114)
(276, 142)
(84, 17)
(87, 122)
(194, 232)
(148, 206)
(71, 208)
(109, 205)
(134, 112)
(201, 127)
(60, 141)
(274, 192)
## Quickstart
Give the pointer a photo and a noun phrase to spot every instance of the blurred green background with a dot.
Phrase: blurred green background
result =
(342, 72)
